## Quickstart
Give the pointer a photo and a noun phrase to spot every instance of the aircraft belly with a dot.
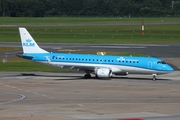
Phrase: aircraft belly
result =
(114, 68)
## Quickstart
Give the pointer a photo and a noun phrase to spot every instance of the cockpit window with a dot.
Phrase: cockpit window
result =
(161, 62)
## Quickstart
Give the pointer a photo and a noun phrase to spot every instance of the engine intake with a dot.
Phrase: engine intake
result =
(104, 73)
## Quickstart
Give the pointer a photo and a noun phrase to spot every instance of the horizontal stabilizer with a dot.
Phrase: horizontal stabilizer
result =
(25, 57)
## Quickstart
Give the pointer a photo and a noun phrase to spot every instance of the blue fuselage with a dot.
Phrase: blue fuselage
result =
(115, 63)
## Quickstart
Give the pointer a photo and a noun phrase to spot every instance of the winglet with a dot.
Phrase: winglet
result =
(28, 43)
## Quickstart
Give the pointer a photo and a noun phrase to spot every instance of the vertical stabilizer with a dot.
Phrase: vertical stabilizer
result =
(28, 43)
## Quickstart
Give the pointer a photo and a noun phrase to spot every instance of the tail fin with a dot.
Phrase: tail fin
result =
(28, 43)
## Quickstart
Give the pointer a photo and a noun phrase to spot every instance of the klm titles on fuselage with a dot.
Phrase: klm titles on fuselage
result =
(28, 43)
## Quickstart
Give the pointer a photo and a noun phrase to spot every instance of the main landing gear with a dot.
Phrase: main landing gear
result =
(87, 76)
(154, 77)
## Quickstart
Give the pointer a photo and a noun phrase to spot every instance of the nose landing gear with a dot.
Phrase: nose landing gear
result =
(154, 77)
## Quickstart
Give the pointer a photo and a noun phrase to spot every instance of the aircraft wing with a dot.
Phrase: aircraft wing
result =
(88, 68)
(80, 68)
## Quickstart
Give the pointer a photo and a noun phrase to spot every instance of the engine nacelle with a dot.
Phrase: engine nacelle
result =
(122, 73)
(104, 73)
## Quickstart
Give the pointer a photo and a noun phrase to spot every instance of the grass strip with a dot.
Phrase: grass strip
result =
(77, 20)
(93, 34)
(125, 30)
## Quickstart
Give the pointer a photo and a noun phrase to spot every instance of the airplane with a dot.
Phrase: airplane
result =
(102, 66)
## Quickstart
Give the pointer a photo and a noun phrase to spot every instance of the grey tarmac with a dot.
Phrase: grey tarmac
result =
(67, 96)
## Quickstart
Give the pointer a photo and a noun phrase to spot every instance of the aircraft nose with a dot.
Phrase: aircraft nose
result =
(169, 68)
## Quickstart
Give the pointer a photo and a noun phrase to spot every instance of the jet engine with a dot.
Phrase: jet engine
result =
(103, 73)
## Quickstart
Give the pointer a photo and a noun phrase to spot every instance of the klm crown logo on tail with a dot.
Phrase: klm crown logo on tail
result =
(29, 43)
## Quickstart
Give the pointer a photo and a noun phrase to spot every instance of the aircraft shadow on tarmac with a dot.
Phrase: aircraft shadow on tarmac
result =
(55, 77)
(143, 79)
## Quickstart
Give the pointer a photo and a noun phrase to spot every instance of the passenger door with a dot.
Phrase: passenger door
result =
(150, 64)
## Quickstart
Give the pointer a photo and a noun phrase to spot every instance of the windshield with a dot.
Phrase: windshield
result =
(161, 62)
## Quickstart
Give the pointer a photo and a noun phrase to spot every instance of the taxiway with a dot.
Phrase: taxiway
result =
(67, 96)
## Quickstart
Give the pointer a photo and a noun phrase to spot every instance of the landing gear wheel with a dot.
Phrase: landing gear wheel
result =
(154, 77)
(87, 76)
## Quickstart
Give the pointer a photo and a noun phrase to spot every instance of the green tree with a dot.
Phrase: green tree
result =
(123, 8)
